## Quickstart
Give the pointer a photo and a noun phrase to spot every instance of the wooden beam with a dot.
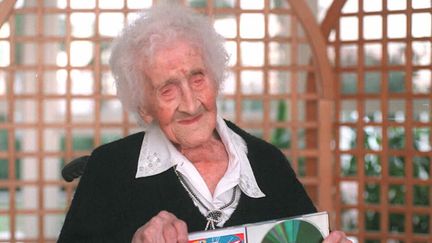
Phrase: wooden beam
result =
(5, 10)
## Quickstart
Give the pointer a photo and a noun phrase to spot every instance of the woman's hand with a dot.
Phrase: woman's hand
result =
(336, 237)
(165, 227)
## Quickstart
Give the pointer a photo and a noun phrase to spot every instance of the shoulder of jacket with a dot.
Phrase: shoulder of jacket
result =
(116, 158)
(127, 142)
(252, 141)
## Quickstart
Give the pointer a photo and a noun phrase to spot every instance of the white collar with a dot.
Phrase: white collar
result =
(160, 155)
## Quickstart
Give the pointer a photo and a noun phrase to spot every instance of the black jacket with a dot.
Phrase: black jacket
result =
(110, 204)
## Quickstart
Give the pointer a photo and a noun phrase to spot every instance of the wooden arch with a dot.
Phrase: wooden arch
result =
(6, 9)
(325, 91)
(319, 49)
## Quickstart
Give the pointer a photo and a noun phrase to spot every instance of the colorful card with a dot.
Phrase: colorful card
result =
(232, 235)
(311, 228)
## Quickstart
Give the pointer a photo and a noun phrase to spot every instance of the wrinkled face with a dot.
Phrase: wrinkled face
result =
(182, 95)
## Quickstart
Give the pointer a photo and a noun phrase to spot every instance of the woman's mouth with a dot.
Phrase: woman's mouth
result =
(190, 120)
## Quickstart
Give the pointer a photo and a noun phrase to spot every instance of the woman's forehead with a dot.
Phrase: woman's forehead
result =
(180, 55)
(182, 47)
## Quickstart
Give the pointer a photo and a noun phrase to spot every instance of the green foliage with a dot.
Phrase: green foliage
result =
(372, 241)
(349, 83)
(79, 143)
(4, 146)
(217, 4)
(396, 136)
(372, 82)
(396, 81)
(372, 221)
(396, 222)
(4, 169)
(4, 223)
(349, 165)
(421, 224)
(396, 166)
(281, 137)
(350, 221)
(397, 140)
(421, 168)
(301, 166)
(372, 193)
(372, 138)
(277, 3)
(106, 138)
(372, 165)
(198, 3)
(396, 194)
(421, 139)
(19, 47)
(421, 195)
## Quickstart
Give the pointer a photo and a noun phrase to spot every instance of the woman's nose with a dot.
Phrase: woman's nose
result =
(188, 103)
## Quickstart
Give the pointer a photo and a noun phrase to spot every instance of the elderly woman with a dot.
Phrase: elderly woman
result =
(190, 170)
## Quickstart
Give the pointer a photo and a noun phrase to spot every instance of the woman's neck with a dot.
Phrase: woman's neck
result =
(210, 159)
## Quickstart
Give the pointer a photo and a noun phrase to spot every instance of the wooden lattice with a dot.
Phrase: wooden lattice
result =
(382, 57)
(57, 99)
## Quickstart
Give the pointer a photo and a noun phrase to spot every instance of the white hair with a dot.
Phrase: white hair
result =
(158, 28)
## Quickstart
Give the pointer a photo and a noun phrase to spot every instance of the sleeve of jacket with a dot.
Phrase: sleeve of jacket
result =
(95, 214)
(280, 182)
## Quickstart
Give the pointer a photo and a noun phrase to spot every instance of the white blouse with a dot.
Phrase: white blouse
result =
(158, 154)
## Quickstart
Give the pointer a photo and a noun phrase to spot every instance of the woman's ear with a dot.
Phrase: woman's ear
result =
(145, 115)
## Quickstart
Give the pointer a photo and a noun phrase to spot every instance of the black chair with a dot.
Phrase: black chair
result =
(75, 168)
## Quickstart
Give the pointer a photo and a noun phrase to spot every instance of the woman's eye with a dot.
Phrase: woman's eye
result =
(198, 81)
(168, 91)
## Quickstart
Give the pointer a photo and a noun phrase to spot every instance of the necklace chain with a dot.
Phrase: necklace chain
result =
(213, 216)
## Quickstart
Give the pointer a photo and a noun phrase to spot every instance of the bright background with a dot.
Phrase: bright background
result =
(345, 94)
